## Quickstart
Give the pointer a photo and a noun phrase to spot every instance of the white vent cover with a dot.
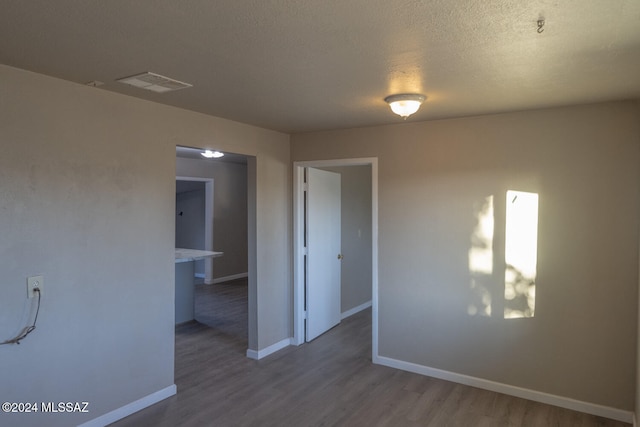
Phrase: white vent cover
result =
(154, 82)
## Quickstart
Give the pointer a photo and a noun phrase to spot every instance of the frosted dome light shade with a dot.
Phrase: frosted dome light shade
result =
(212, 154)
(405, 104)
(404, 108)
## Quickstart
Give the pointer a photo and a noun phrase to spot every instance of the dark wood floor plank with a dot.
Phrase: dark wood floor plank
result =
(328, 382)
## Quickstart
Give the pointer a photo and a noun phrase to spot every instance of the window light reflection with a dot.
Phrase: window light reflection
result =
(481, 260)
(521, 248)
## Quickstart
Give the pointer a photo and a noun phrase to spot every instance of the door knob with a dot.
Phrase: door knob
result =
(340, 256)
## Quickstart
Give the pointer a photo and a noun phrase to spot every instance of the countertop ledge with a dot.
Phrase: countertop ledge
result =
(186, 255)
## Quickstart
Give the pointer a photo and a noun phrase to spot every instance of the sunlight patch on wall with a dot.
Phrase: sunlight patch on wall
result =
(481, 260)
(521, 248)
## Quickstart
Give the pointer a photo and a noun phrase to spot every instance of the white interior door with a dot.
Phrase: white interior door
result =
(323, 252)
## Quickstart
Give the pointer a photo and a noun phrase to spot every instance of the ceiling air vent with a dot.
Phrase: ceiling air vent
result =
(154, 82)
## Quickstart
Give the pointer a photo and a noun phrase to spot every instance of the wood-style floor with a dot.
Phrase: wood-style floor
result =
(328, 382)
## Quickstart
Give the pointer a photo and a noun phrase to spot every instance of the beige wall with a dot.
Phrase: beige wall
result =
(584, 162)
(637, 402)
(355, 235)
(87, 190)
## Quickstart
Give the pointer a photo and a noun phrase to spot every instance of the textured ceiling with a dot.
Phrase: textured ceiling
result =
(298, 66)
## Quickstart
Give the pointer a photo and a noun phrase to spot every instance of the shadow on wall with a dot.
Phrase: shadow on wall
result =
(505, 288)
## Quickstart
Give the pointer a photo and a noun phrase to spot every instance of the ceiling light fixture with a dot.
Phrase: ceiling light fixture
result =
(405, 104)
(212, 154)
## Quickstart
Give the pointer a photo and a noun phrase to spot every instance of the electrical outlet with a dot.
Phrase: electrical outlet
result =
(33, 283)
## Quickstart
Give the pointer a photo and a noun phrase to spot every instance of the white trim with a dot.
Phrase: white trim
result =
(536, 396)
(361, 161)
(299, 314)
(298, 252)
(355, 310)
(229, 278)
(635, 420)
(374, 257)
(199, 275)
(130, 408)
(259, 354)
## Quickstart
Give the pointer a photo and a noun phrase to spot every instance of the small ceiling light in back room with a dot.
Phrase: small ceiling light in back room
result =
(212, 154)
(405, 104)
(154, 82)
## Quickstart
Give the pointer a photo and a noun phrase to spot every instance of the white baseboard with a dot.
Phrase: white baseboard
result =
(355, 310)
(229, 278)
(259, 354)
(536, 396)
(130, 408)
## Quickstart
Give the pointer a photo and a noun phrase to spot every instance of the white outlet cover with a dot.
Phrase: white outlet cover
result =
(34, 282)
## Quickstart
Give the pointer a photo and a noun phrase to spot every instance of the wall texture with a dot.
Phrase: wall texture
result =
(87, 191)
(434, 181)
(229, 211)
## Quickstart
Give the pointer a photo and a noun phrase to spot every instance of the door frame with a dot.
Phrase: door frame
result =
(298, 243)
(252, 245)
(208, 222)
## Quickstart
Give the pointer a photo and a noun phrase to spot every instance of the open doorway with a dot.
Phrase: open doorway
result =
(352, 234)
(221, 292)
